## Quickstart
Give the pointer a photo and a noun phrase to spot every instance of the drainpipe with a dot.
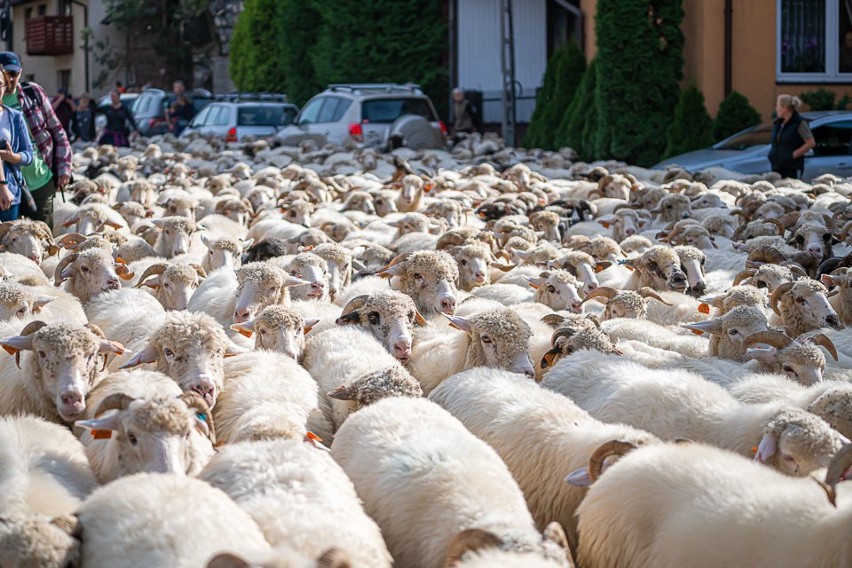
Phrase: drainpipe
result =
(729, 41)
(453, 46)
(85, 39)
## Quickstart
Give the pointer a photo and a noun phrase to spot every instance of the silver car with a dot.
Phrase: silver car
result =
(373, 115)
(747, 152)
(232, 121)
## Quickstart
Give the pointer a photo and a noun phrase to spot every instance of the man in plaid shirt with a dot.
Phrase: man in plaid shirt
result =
(53, 170)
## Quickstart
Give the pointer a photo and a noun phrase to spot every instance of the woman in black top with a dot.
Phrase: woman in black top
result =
(119, 123)
(791, 138)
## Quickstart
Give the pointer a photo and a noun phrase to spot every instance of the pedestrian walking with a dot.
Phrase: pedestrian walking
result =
(15, 150)
(64, 108)
(50, 168)
(180, 111)
(119, 122)
(463, 115)
(791, 138)
(84, 119)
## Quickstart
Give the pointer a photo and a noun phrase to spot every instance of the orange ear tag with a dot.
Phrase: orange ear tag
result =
(244, 332)
(101, 434)
(10, 350)
(704, 308)
(697, 332)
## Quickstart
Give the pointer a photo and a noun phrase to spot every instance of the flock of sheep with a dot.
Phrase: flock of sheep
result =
(255, 356)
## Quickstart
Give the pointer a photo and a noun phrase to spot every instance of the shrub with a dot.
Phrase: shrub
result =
(561, 79)
(577, 114)
(821, 99)
(692, 127)
(735, 114)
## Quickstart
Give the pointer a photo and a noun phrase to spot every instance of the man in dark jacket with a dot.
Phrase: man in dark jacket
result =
(791, 138)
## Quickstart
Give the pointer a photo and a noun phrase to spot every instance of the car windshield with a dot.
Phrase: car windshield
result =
(759, 135)
(260, 116)
(388, 110)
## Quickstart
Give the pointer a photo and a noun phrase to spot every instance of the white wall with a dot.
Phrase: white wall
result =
(479, 65)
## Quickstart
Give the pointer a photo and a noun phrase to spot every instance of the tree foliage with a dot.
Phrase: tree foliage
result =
(735, 114)
(578, 122)
(692, 127)
(639, 65)
(561, 79)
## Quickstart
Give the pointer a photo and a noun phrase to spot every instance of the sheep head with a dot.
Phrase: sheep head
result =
(260, 284)
(427, 277)
(40, 542)
(278, 328)
(388, 316)
(175, 283)
(65, 363)
(18, 301)
(557, 289)
(659, 268)
(312, 269)
(372, 387)
(799, 359)
(797, 443)
(175, 235)
(89, 273)
(30, 239)
(498, 339)
(731, 331)
(803, 306)
(223, 252)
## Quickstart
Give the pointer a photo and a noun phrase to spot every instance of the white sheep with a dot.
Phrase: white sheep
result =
(536, 432)
(403, 453)
(162, 520)
(678, 404)
(302, 500)
(703, 507)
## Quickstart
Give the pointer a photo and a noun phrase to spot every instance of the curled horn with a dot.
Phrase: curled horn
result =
(71, 240)
(676, 232)
(117, 401)
(781, 228)
(744, 274)
(838, 466)
(5, 227)
(565, 332)
(195, 402)
(770, 337)
(823, 340)
(355, 303)
(158, 268)
(742, 214)
(646, 292)
(738, 232)
(788, 220)
(96, 330)
(844, 234)
(199, 269)
(605, 291)
(611, 448)
(553, 320)
(57, 274)
(767, 254)
(470, 540)
(776, 295)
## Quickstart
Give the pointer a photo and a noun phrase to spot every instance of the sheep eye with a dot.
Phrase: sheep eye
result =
(166, 284)
(14, 240)
(131, 437)
(373, 317)
(42, 354)
(261, 331)
(789, 370)
(418, 276)
(210, 253)
(486, 339)
(23, 311)
(168, 352)
(551, 289)
(463, 262)
(411, 316)
(800, 300)
(84, 268)
(733, 332)
(220, 352)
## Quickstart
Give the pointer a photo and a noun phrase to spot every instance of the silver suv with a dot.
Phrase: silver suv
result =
(373, 115)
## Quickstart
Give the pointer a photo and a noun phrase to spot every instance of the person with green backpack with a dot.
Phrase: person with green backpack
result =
(51, 166)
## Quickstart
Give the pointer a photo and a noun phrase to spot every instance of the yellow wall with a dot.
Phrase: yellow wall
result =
(754, 43)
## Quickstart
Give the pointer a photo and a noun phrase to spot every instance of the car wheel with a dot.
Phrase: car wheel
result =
(411, 131)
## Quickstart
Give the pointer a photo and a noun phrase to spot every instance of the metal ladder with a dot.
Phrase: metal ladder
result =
(507, 60)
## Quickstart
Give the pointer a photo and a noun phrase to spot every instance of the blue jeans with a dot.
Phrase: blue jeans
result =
(9, 214)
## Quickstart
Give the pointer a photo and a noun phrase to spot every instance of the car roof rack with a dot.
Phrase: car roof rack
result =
(377, 87)
(262, 96)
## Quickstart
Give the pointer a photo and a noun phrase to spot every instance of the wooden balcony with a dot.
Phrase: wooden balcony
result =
(50, 35)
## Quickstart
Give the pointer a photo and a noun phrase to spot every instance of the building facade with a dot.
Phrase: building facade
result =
(761, 48)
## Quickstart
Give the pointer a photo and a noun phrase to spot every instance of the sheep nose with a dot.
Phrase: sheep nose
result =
(529, 374)
(816, 251)
(629, 231)
(576, 307)
(113, 283)
(678, 278)
(699, 287)
(179, 250)
(35, 258)
(590, 287)
(686, 215)
(479, 277)
(448, 305)
(72, 399)
(206, 390)
(402, 350)
(834, 322)
(241, 315)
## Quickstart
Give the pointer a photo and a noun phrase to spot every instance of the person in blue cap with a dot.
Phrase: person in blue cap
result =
(51, 165)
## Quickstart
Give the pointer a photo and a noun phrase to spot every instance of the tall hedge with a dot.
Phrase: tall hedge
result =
(257, 55)
(639, 65)
(692, 127)
(574, 119)
(735, 114)
(561, 79)
(382, 41)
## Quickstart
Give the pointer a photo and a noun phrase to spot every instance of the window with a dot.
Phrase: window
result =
(814, 41)
(201, 117)
(64, 77)
(329, 109)
(259, 115)
(42, 9)
(388, 110)
(28, 13)
(759, 135)
(833, 139)
(221, 118)
(311, 111)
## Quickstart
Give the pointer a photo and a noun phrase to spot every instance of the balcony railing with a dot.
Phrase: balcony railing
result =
(50, 35)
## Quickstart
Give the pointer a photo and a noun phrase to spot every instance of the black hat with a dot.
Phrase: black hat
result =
(10, 61)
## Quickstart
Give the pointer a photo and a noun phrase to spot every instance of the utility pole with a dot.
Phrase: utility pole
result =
(507, 59)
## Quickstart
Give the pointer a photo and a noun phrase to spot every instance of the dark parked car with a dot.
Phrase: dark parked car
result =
(746, 152)
(150, 106)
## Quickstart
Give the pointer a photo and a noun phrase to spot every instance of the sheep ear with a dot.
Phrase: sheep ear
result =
(309, 325)
(459, 323)
(350, 318)
(536, 283)
(205, 239)
(293, 281)
(112, 224)
(579, 478)
(70, 524)
(233, 350)
(767, 448)
(550, 357)
(419, 319)
(67, 272)
(706, 326)
(152, 283)
(763, 353)
(41, 302)
(554, 533)
(107, 346)
(146, 355)
(245, 328)
(17, 343)
(247, 243)
(110, 422)
(228, 560)
(606, 220)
